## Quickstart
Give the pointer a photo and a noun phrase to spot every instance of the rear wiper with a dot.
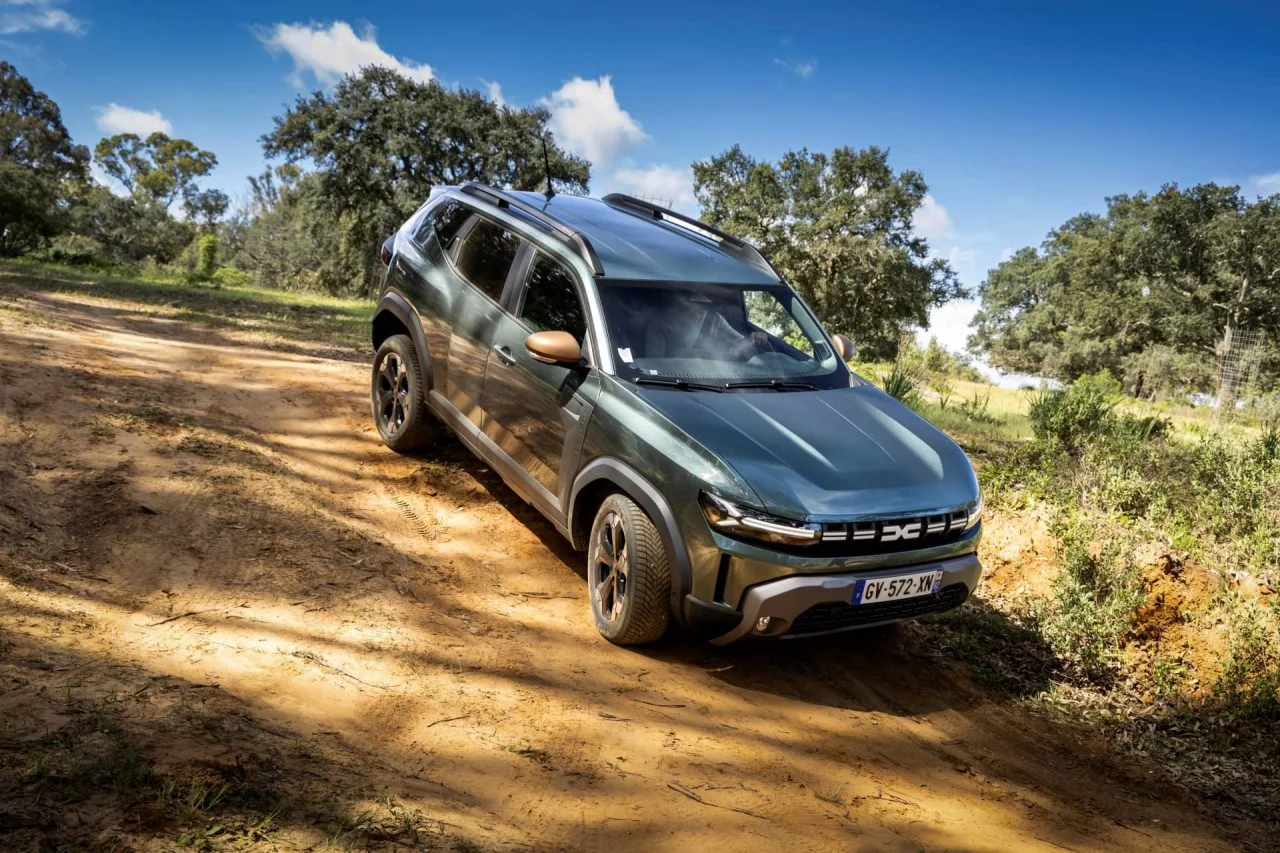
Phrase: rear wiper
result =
(682, 384)
(775, 384)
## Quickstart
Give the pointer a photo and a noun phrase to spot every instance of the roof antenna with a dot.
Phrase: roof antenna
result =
(546, 164)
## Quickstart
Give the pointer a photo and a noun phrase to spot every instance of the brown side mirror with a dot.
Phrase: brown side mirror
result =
(844, 347)
(554, 347)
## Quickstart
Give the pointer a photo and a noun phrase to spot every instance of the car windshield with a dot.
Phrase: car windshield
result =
(716, 333)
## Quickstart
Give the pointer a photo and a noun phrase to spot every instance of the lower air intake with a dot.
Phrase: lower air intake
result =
(836, 615)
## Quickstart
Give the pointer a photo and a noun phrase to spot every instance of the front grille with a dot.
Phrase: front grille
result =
(856, 539)
(836, 615)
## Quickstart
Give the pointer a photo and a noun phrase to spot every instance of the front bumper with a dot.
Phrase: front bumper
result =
(807, 605)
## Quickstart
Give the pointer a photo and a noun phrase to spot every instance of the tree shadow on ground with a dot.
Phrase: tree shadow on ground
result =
(295, 323)
(247, 549)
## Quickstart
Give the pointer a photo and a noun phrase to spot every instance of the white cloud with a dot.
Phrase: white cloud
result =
(1266, 184)
(950, 324)
(587, 120)
(1006, 253)
(933, 222)
(113, 119)
(25, 16)
(331, 52)
(669, 185)
(802, 68)
(495, 92)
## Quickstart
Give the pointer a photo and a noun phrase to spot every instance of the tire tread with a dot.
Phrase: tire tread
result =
(649, 613)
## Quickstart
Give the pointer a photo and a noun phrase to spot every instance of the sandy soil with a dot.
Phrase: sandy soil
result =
(203, 545)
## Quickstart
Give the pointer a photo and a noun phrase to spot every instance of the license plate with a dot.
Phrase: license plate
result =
(876, 590)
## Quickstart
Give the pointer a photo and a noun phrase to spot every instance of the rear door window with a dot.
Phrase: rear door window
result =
(549, 302)
(485, 256)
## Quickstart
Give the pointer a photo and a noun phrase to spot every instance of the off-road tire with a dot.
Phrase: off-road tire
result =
(403, 421)
(643, 610)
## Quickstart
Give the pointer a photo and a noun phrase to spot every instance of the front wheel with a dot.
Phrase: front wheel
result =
(628, 576)
(399, 397)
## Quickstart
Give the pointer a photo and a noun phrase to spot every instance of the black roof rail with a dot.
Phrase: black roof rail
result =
(736, 245)
(578, 241)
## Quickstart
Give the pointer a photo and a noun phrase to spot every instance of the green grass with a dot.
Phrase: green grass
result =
(279, 315)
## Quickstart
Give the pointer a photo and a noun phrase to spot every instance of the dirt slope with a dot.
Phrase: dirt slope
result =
(206, 553)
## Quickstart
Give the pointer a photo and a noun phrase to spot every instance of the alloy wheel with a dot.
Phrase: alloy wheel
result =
(393, 393)
(611, 563)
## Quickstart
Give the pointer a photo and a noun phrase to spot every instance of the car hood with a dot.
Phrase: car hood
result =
(826, 455)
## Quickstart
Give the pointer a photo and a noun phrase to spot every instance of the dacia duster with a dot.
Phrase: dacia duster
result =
(656, 389)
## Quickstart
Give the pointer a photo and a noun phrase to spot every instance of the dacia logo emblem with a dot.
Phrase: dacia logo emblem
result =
(894, 532)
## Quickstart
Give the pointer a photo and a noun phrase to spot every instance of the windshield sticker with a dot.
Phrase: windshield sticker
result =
(624, 353)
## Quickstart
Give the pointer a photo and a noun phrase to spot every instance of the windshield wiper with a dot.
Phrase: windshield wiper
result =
(682, 384)
(774, 384)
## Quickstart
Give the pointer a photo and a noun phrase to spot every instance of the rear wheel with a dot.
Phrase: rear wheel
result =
(399, 397)
(629, 580)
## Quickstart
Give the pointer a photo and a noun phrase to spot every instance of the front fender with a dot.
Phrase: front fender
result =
(644, 493)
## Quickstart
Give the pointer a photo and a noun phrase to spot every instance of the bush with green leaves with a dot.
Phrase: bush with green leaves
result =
(73, 250)
(1095, 597)
(1250, 683)
(1070, 416)
(231, 277)
(206, 255)
(899, 384)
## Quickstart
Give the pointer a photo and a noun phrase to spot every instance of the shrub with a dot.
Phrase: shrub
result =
(1142, 427)
(206, 255)
(1249, 686)
(231, 277)
(942, 386)
(901, 386)
(1094, 598)
(978, 408)
(1070, 416)
(73, 250)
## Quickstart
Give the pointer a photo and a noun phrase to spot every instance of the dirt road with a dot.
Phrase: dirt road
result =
(207, 556)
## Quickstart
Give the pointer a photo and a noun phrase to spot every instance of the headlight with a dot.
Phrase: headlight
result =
(748, 523)
(975, 512)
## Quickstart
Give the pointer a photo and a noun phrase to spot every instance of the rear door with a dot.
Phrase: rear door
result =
(537, 413)
(482, 260)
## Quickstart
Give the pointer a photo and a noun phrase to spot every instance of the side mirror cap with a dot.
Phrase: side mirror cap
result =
(554, 348)
(844, 347)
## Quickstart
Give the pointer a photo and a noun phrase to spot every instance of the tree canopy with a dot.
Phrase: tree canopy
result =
(40, 167)
(1177, 272)
(840, 228)
(380, 141)
(156, 170)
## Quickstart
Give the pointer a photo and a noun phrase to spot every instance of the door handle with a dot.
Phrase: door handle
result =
(504, 354)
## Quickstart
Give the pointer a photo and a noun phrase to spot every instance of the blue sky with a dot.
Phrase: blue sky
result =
(1019, 115)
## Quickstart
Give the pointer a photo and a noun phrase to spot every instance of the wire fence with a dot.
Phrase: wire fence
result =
(1240, 354)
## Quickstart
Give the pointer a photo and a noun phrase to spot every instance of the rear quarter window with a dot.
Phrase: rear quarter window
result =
(446, 222)
(485, 256)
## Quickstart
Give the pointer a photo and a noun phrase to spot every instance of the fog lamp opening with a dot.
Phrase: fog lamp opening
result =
(763, 623)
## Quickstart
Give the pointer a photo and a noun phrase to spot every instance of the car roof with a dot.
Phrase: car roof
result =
(635, 247)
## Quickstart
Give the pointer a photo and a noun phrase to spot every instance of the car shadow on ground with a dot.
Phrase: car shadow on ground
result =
(978, 652)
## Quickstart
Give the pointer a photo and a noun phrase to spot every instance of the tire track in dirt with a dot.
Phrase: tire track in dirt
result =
(415, 521)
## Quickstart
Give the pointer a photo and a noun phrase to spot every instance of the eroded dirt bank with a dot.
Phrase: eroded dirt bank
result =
(210, 564)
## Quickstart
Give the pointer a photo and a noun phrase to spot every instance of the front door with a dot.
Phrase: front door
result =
(538, 413)
(483, 260)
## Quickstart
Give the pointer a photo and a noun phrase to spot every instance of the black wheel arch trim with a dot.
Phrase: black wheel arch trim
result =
(394, 303)
(644, 493)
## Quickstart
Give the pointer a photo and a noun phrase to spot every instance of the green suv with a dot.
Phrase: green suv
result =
(656, 389)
